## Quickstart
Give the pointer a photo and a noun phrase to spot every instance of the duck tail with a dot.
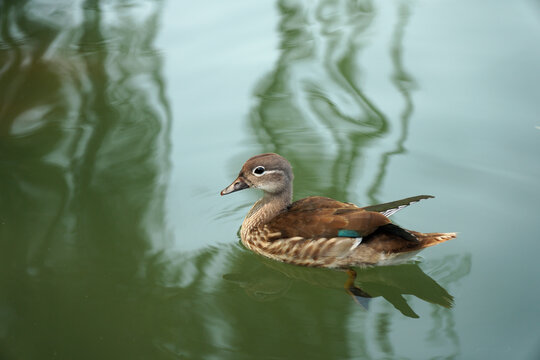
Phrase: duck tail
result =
(430, 239)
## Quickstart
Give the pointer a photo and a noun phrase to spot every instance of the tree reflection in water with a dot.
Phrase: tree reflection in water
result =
(83, 166)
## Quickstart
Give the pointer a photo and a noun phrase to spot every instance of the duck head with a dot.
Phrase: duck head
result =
(270, 172)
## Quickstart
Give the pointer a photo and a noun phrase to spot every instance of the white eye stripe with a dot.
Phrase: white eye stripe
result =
(264, 172)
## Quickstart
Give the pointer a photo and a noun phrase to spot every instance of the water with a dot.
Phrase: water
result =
(120, 122)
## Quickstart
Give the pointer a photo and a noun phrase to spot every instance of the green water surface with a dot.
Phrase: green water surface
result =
(120, 122)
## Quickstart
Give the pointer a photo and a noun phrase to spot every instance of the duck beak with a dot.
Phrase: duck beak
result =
(237, 185)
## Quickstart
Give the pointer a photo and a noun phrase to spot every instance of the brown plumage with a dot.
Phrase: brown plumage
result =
(318, 231)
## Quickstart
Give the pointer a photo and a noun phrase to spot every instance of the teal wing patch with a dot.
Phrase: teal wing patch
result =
(348, 233)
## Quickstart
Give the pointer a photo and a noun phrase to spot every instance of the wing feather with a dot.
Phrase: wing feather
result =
(390, 208)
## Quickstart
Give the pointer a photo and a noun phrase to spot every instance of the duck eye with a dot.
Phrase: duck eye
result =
(258, 171)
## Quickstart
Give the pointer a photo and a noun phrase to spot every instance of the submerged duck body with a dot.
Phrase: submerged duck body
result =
(319, 231)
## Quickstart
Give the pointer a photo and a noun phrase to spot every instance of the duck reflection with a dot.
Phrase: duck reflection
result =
(270, 281)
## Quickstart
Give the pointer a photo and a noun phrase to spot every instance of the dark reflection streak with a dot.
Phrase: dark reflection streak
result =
(9, 19)
(384, 326)
(95, 67)
(273, 146)
(375, 116)
(339, 74)
(446, 322)
(346, 157)
(404, 84)
(13, 17)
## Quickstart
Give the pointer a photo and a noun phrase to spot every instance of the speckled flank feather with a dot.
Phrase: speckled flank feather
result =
(318, 231)
(337, 252)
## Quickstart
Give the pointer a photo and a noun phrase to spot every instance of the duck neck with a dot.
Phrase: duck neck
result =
(266, 208)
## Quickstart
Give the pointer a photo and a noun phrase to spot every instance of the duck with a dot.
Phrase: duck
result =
(318, 231)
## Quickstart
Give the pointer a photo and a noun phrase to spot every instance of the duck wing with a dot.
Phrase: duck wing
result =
(390, 208)
(319, 217)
